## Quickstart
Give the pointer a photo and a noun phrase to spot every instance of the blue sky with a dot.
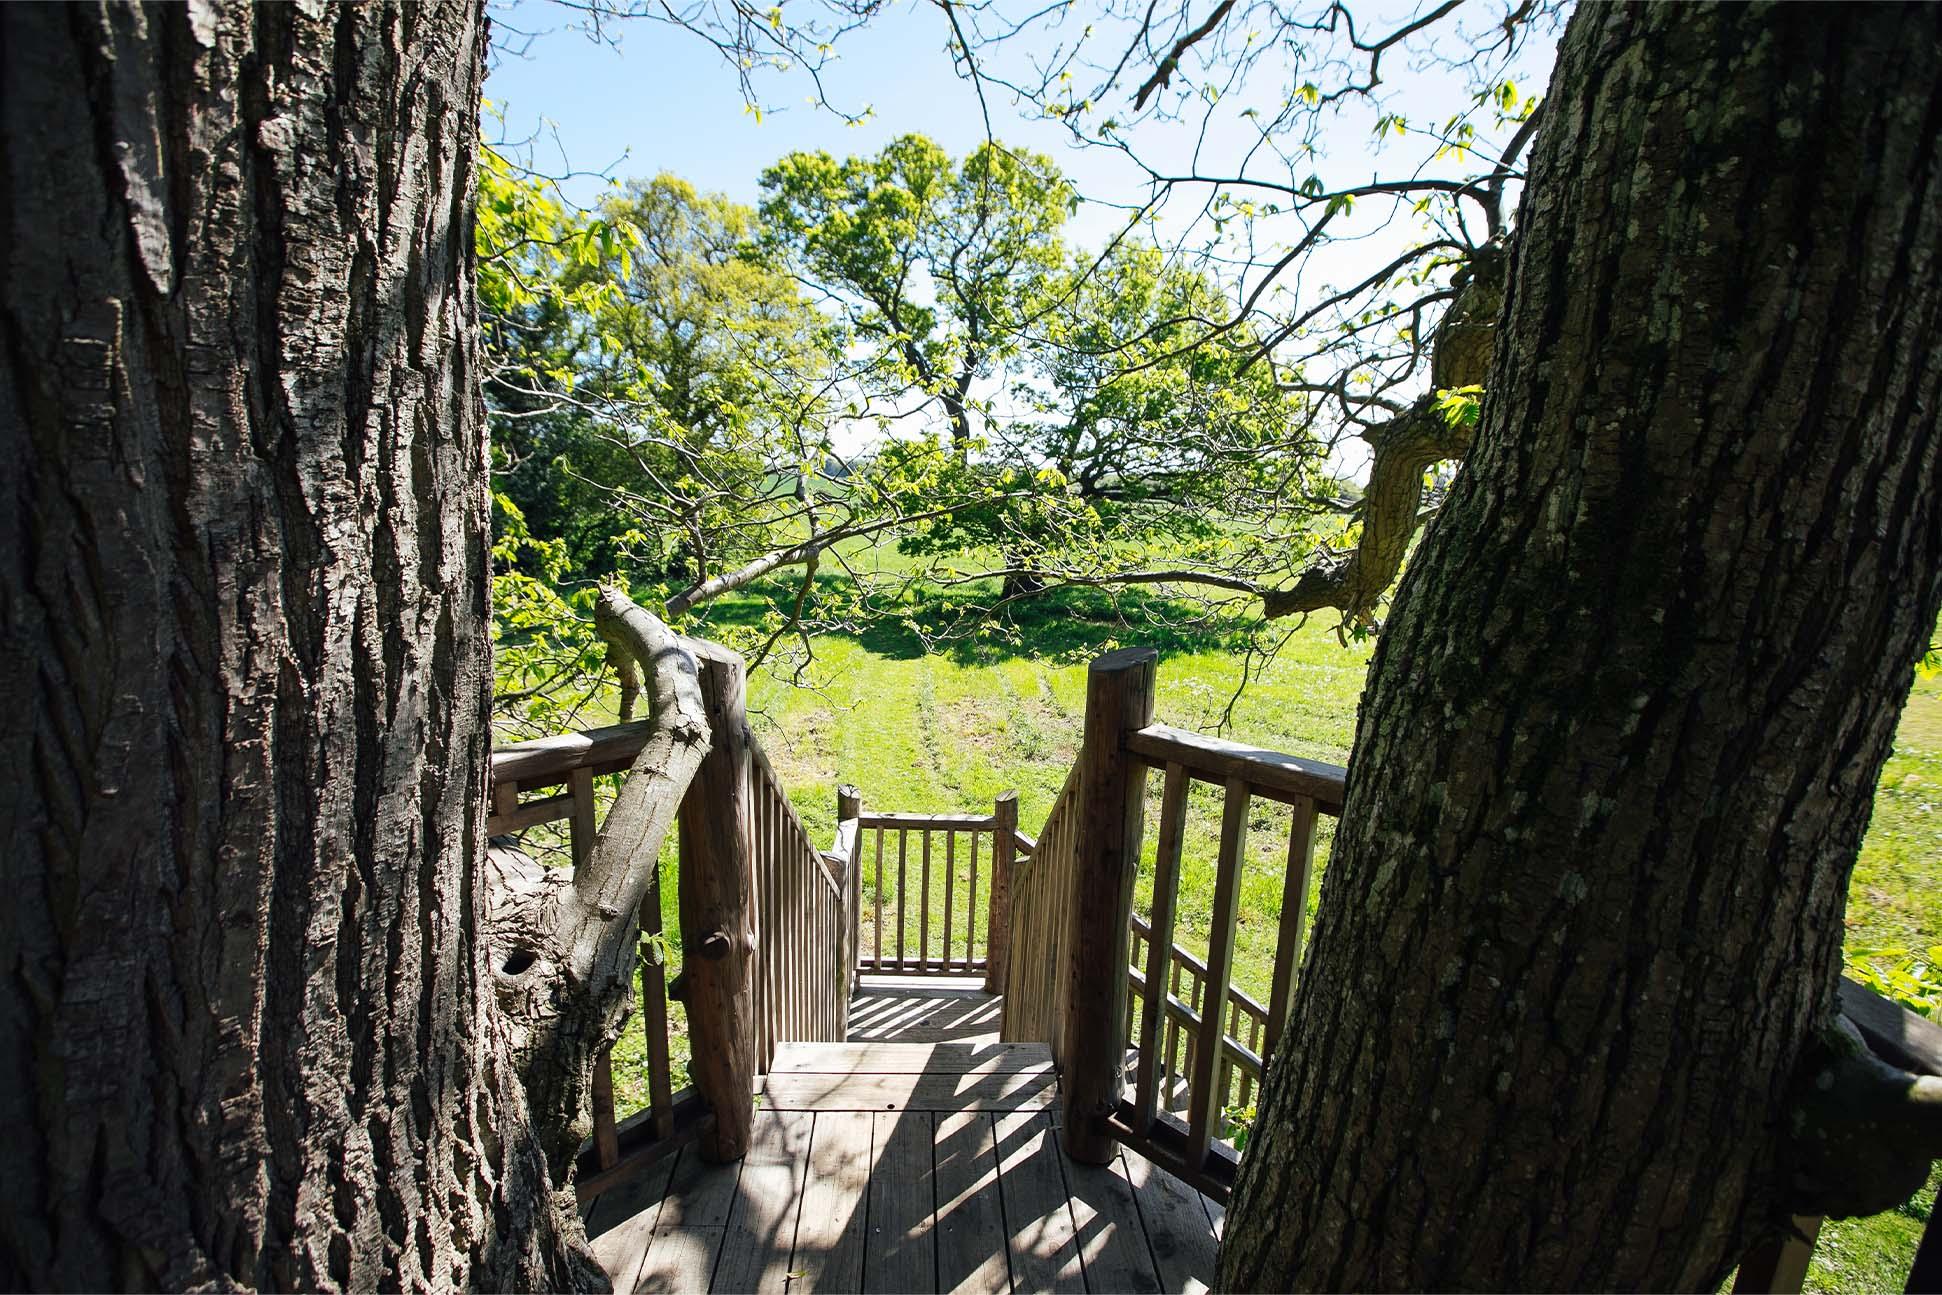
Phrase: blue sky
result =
(661, 99)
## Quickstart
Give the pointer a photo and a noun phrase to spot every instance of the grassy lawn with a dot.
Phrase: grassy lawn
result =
(947, 732)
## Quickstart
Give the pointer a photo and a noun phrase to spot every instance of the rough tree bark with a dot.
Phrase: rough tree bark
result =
(257, 1029)
(1580, 935)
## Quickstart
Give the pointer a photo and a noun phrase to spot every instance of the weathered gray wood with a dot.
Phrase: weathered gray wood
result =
(1098, 901)
(654, 1010)
(691, 1225)
(717, 912)
(876, 933)
(903, 894)
(1041, 1233)
(900, 1254)
(911, 1058)
(1178, 1226)
(971, 1255)
(950, 893)
(1004, 848)
(1003, 1091)
(1111, 1238)
(924, 905)
(606, 1142)
(1204, 1094)
(1159, 939)
(1270, 774)
(922, 822)
(626, 1219)
(830, 1232)
(907, 1015)
(762, 1225)
(1294, 914)
(849, 841)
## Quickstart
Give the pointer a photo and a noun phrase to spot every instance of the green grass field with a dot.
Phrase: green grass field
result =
(947, 732)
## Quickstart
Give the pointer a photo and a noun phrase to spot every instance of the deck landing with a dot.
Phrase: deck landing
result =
(930, 1166)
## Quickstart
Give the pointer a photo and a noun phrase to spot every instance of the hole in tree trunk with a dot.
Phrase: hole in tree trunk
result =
(517, 961)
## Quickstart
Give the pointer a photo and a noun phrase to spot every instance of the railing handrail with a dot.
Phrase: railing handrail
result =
(543, 761)
(1273, 775)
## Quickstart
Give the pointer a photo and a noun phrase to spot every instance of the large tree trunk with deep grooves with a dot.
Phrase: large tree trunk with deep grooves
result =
(249, 1034)
(1619, 742)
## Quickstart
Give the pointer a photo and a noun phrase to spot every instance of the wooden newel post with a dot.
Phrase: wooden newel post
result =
(1004, 842)
(1111, 795)
(849, 807)
(718, 914)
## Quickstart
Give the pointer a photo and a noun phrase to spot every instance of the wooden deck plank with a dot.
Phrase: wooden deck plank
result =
(1111, 1237)
(901, 1251)
(688, 1232)
(762, 1224)
(1179, 1226)
(949, 1011)
(910, 1058)
(1027, 1090)
(830, 1235)
(621, 1224)
(970, 1209)
(1042, 1238)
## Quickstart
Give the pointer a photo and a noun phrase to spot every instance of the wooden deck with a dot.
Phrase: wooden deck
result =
(921, 1156)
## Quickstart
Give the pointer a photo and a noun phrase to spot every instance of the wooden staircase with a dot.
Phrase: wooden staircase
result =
(906, 1166)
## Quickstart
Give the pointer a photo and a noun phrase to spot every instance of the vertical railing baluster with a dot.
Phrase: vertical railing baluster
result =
(924, 907)
(997, 927)
(950, 888)
(654, 1009)
(1203, 1093)
(1294, 912)
(876, 963)
(1166, 897)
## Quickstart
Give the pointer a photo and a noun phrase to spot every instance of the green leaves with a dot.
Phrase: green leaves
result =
(1460, 406)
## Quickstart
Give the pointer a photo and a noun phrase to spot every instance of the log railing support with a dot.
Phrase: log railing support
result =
(1004, 846)
(1110, 805)
(717, 915)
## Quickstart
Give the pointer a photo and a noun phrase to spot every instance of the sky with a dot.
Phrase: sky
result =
(651, 97)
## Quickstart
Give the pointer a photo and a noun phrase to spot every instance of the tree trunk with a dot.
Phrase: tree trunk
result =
(1583, 924)
(251, 1035)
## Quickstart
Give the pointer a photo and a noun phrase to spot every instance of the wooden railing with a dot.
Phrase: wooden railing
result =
(1238, 1078)
(1189, 1044)
(802, 929)
(1041, 907)
(1188, 1066)
(735, 820)
(927, 874)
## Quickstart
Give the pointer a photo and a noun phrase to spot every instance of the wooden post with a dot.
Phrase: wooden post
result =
(1106, 860)
(717, 899)
(849, 807)
(997, 939)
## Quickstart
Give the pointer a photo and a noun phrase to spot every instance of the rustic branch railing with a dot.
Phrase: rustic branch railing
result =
(745, 861)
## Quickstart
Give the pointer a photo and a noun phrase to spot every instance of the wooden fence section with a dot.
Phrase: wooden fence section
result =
(801, 907)
(1238, 1078)
(573, 761)
(934, 880)
(1191, 1046)
(1041, 895)
(802, 926)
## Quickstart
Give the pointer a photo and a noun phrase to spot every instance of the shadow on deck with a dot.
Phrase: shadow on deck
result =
(920, 1156)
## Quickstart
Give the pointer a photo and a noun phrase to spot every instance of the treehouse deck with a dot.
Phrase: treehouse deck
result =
(920, 1156)
(909, 1133)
